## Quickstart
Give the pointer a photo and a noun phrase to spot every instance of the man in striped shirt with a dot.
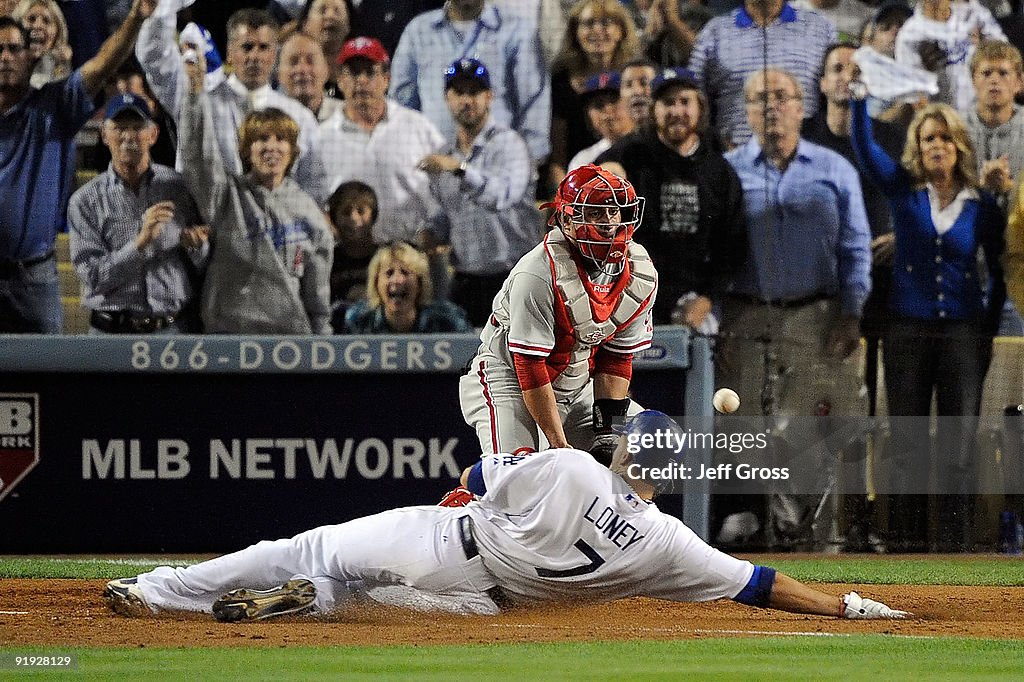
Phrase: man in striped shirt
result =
(761, 33)
(135, 238)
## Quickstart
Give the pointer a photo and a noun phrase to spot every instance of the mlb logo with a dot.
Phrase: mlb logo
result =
(19, 438)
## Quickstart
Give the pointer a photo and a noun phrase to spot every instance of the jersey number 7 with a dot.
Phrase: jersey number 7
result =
(596, 561)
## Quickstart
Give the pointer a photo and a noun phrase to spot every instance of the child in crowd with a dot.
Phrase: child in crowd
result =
(353, 212)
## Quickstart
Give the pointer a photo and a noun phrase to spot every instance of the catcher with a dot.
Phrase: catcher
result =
(557, 353)
(549, 526)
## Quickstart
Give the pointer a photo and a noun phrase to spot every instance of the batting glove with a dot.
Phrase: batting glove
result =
(459, 497)
(859, 608)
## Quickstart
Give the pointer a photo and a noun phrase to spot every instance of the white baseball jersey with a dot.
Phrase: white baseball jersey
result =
(552, 526)
(557, 525)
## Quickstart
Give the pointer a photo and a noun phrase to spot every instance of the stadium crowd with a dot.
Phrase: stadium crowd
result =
(829, 169)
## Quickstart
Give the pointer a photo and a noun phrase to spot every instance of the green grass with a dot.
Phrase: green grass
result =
(870, 657)
(966, 570)
(849, 657)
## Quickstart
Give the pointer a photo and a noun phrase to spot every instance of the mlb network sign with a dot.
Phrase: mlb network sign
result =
(19, 438)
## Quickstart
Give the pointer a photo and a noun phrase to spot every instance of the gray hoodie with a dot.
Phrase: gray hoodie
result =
(269, 272)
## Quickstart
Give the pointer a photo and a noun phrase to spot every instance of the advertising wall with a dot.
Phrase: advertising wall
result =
(125, 450)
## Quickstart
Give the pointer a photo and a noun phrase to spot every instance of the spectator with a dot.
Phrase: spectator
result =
(477, 29)
(694, 226)
(635, 89)
(329, 23)
(484, 184)
(48, 36)
(600, 36)
(894, 88)
(671, 29)
(606, 116)
(996, 127)
(36, 146)
(380, 142)
(271, 263)
(353, 211)
(802, 288)
(940, 341)
(556, 360)
(303, 74)
(848, 16)
(830, 128)
(940, 37)
(385, 21)
(136, 241)
(400, 297)
(252, 51)
(730, 48)
(130, 80)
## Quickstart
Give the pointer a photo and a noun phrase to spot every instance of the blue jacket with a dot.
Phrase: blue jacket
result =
(935, 277)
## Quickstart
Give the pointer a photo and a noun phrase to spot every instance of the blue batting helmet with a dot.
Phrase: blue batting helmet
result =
(656, 442)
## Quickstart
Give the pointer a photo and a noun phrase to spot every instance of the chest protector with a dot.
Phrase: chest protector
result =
(589, 328)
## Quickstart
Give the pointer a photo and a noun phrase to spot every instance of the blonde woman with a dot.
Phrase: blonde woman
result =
(400, 297)
(600, 36)
(940, 338)
(48, 40)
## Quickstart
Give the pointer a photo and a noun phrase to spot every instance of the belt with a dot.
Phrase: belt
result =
(123, 322)
(497, 595)
(10, 268)
(780, 303)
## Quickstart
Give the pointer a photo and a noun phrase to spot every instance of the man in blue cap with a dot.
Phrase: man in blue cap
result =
(135, 239)
(606, 115)
(484, 183)
(694, 226)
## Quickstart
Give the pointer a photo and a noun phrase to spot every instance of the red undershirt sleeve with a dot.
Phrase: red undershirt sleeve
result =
(531, 370)
(616, 364)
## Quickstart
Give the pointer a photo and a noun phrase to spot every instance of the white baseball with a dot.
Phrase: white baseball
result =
(726, 400)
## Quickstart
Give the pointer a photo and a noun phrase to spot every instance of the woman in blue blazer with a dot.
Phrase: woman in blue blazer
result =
(945, 312)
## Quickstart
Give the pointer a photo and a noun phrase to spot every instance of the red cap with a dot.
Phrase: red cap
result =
(362, 46)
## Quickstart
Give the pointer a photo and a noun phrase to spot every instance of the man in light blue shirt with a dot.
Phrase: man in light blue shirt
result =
(476, 29)
(761, 33)
(792, 317)
(484, 183)
(37, 157)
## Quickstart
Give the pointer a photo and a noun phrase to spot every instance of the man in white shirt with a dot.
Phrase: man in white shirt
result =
(303, 72)
(377, 141)
(252, 51)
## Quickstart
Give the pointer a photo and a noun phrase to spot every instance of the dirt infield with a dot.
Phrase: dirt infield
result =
(72, 613)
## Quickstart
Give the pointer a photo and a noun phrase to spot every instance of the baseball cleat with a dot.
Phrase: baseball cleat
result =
(124, 597)
(295, 596)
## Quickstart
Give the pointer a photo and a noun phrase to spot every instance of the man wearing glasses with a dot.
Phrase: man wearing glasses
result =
(37, 151)
(794, 307)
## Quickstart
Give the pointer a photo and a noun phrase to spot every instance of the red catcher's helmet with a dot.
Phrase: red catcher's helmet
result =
(598, 212)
